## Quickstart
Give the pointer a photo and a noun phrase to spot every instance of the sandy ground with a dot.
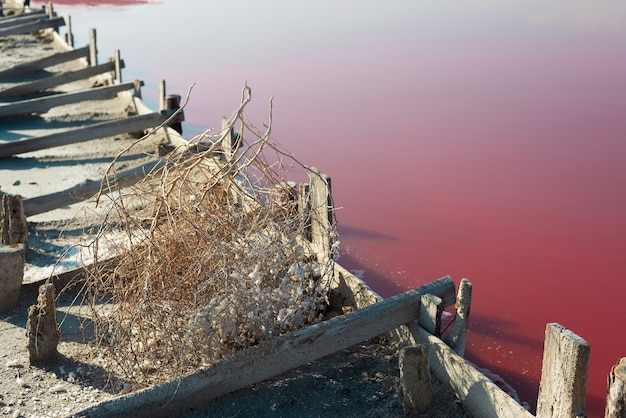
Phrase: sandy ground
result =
(360, 381)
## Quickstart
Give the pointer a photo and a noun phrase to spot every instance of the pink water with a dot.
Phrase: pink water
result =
(481, 140)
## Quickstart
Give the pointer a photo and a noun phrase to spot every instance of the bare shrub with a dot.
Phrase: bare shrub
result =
(213, 257)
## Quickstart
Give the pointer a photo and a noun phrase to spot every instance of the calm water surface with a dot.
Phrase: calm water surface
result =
(479, 139)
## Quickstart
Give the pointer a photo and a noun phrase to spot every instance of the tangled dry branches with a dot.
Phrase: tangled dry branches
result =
(214, 255)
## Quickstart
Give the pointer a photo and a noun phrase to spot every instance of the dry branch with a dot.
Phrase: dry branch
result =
(212, 262)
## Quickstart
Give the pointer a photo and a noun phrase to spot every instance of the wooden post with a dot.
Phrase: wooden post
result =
(458, 332)
(50, 10)
(93, 49)
(430, 314)
(416, 390)
(286, 198)
(137, 84)
(172, 104)
(13, 224)
(69, 36)
(162, 92)
(304, 208)
(118, 67)
(226, 142)
(616, 392)
(11, 274)
(320, 202)
(41, 326)
(563, 374)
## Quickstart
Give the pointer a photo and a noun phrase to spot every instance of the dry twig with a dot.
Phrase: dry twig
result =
(212, 258)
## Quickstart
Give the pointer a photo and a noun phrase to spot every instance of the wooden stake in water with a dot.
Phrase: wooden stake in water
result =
(457, 336)
(563, 375)
(616, 392)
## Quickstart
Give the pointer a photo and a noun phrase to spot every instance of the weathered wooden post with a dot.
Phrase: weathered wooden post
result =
(286, 198)
(13, 224)
(303, 208)
(93, 49)
(69, 36)
(172, 103)
(320, 201)
(563, 374)
(430, 312)
(416, 391)
(41, 326)
(11, 274)
(13, 244)
(137, 84)
(457, 335)
(227, 139)
(161, 93)
(118, 67)
(616, 391)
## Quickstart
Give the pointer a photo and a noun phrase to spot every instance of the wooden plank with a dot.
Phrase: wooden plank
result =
(58, 80)
(40, 64)
(563, 374)
(87, 189)
(39, 24)
(616, 392)
(34, 12)
(20, 19)
(43, 104)
(361, 295)
(479, 395)
(84, 133)
(268, 359)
